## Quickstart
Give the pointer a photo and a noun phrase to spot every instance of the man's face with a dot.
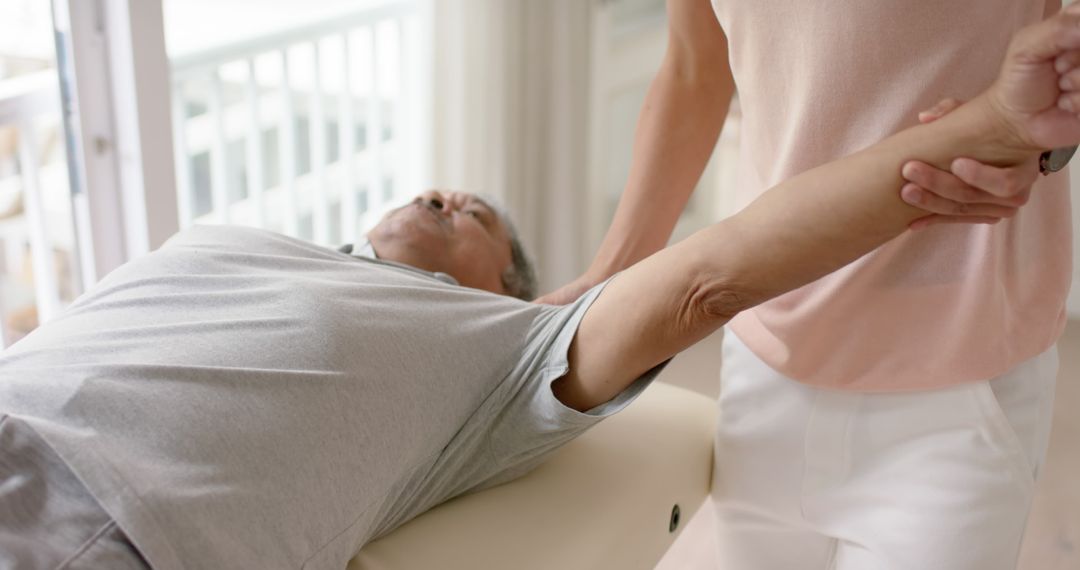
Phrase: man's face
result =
(452, 232)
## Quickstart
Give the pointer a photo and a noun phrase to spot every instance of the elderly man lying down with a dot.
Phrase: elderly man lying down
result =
(239, 399)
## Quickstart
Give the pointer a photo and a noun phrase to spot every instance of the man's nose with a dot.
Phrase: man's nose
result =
(437, 201)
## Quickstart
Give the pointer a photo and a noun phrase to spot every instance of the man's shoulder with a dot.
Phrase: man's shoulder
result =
(238, 244)
(228, 236)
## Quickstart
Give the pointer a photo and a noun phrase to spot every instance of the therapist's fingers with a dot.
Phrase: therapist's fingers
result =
(1002, 186)
(1003, 182)
(1067, 61)
(972, 193)
(1070, 81)
(939, 110)
(1070, 102)
(934, 204)
(1046, 40)
(1068, 66)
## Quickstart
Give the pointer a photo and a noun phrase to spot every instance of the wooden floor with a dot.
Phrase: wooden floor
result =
(1053, 534)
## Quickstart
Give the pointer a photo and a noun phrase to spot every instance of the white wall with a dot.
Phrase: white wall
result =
(1074, 298)
(511, 116)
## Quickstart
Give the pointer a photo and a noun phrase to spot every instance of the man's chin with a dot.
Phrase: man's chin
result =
(408, 241)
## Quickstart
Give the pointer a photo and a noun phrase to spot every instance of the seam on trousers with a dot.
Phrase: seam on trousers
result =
(1046, 406)
(838, 430)
(854, 408)
(830, 559)
(86, 545)
(806, 457)
(1005, 438)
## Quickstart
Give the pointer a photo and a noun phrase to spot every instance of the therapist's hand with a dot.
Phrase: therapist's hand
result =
(1036, 98)
(971, 192)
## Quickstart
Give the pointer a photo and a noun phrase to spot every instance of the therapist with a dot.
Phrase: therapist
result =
(817, 463)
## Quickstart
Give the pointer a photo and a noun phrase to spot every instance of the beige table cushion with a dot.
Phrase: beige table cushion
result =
(603, 501)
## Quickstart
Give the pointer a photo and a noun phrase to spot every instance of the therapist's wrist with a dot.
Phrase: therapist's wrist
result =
(598, 271)
(603, 267)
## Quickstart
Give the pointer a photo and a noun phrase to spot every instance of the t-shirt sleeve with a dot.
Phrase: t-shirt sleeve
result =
(530, 422)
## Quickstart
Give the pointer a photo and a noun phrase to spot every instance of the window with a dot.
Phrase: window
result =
(38, 253)
(310, 124)
(276, 128)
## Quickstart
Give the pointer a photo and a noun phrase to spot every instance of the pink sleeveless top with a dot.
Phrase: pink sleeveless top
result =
(820, 80)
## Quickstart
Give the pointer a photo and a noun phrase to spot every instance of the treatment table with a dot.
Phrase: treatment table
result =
(616, 497)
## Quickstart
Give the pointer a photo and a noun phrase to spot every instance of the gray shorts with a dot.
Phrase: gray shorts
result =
(47, 517)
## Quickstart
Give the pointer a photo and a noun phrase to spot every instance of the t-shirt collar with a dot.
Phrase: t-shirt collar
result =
(364, 249)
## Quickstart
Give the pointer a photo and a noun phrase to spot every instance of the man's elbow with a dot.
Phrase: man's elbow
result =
(719, 285)
(713, 301)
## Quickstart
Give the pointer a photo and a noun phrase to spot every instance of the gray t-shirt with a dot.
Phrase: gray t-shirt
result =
(241, 399)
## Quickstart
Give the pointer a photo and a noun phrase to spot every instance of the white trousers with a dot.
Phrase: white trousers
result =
(814, 479)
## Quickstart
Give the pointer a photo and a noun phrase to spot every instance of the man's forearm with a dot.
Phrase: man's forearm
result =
(827, 217)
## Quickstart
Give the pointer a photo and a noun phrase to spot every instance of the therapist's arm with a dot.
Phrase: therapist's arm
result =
(680, 121)
(816, 222)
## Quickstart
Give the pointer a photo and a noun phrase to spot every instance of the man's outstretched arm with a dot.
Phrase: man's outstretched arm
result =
(816, 222)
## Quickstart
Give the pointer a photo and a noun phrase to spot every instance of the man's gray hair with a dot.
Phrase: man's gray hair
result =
(519, 280)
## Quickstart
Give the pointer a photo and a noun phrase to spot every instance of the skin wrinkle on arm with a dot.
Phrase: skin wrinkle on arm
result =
(798, 231)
